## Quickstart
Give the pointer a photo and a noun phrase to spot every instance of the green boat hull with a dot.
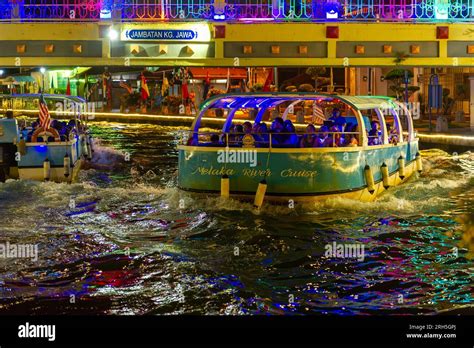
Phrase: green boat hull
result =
(294, 172)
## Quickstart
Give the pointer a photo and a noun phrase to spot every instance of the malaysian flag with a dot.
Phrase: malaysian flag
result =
(45, 119)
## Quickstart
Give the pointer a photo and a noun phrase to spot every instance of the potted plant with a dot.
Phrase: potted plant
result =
(397, 83)
(258, 87)
(315, 73)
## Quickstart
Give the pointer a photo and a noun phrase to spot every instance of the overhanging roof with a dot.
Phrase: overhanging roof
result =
(72, 98)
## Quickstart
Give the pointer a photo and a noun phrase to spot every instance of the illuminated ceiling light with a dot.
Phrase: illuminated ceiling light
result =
(387, 49)
(49, 48)
(163, 49)
(134, 49)
(77, 48)
(303, 49)
(415, 49)
(360, 49)
(1, 72)
(20, 48)
(113, 34)
(42, 70)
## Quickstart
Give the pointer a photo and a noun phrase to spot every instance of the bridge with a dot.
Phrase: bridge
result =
(236, 33)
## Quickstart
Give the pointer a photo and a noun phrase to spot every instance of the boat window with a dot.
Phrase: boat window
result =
(393, 129)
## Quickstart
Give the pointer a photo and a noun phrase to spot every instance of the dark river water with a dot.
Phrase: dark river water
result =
(127, 241)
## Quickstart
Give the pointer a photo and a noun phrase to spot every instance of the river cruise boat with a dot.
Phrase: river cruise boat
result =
(30, 152)
(299, 147)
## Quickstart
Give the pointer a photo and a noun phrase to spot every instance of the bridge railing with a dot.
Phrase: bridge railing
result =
(233, 10)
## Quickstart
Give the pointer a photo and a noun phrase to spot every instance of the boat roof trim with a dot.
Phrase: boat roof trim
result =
(358, 102)
(73, 98)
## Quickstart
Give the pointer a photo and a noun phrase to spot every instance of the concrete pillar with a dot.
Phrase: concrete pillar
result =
(471, 102)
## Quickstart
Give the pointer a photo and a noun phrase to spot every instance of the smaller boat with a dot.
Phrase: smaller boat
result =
(35, 153)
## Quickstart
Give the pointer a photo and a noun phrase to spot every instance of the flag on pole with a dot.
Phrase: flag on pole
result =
(45, 118)
(207, 85)
(144, 88)
(268, 81)
(68, 87)
(165, 85)
(185, 90)
(228, 81)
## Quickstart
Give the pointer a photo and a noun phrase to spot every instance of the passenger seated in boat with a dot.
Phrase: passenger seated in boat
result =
(276, 128)
(238, 134)
(34, 126)
(335, 137)
(309, 139)
(351, 139)
(261, 135)
(374, 134)
(215, 142)
(334, 114)
(247, 126)
(323, 137)
(392, 135)
(290, 139)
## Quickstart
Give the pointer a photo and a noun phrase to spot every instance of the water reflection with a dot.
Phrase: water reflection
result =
(133, 244)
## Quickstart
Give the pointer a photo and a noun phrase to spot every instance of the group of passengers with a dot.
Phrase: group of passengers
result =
(283, 134)
(336, 132)
(63, 128)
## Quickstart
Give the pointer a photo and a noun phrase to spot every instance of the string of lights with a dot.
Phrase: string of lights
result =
(239, 10)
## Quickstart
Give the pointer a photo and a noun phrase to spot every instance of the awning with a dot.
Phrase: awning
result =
(219, 73)
(23, 78)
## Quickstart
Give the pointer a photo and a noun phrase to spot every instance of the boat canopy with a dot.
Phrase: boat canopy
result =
(71, 98)
(263, 101)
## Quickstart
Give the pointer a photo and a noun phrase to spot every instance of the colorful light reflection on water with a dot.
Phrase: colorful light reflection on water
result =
(127, 247)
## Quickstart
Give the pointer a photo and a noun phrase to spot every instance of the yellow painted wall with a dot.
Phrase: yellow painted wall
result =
(244, 32)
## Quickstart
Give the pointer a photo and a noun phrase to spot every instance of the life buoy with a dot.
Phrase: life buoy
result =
(50, 132)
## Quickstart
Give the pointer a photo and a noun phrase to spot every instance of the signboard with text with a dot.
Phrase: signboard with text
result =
(161, 34)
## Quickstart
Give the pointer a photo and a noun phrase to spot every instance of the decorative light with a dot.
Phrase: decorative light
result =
(113, 34)
(332, 9)
(441, 8)
(219, 17)
(1, 72)
(42, 70)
